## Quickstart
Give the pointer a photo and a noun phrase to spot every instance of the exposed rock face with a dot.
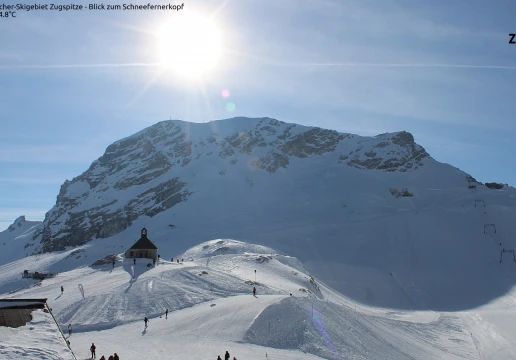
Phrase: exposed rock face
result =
(151, 171)
(396, 152)
(400, 192)
(494, 185)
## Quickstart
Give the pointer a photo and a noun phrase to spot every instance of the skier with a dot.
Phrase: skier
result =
(113, 263)
(226, 357)
(172, 260)
(166, 314)
(92, 349)
(62, 290)
(69, 329)
(146, 321)
(134, 261)
(115, 357)
(254, 291)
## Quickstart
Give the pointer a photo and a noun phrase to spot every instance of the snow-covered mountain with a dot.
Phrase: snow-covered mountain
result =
(374, 217)
(174, 163)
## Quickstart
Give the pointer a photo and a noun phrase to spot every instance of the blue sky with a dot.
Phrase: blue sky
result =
(354, 66)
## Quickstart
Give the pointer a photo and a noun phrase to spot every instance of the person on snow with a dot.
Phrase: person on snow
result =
(62, 290)
(111, 357)
(172, 260)
(115, 357)
(254, 291)
(134, 261)
(113, 263)
(146, 321)
(218, 358)
(154, 262)
(166, 314)
(226, 357)
(92, 349)
(69, 329)
(103, 358)
(178, 261)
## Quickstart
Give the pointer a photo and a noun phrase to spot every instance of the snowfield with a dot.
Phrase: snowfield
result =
(212, 309)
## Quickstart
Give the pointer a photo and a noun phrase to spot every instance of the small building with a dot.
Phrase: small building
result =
(143, 248)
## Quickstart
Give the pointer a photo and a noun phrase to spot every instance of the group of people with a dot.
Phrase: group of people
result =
(226, 356)
(93, 349)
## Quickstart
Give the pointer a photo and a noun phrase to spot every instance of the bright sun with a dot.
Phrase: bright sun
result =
(189, 45)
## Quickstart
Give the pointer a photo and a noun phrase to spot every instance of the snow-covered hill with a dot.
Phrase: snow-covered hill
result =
(212, 309)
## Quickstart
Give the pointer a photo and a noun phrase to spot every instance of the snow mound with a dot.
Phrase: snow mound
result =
(225, 247)
(336, 332)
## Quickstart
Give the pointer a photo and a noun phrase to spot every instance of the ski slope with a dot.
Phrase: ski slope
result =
(212, 309)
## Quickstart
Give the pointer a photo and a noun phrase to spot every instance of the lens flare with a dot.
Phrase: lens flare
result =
(319, 324)
(230, 107)
(225, 93)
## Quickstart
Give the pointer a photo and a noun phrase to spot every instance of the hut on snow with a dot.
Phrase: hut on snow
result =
(143, 248)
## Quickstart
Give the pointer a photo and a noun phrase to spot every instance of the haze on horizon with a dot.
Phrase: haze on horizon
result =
(71, 83)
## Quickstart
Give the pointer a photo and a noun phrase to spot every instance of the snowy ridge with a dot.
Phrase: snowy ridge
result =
(15, 237)
(224, 247)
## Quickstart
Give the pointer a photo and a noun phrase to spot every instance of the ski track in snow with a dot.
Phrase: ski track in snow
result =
(211, 310)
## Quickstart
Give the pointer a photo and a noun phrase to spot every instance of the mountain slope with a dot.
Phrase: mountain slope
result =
(155, 170)
(374, 217)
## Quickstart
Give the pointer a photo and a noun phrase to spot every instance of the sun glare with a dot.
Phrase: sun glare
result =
(189, 45)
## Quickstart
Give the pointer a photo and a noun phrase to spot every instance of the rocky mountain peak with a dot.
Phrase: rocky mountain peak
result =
(154, 170)
(18, 223)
